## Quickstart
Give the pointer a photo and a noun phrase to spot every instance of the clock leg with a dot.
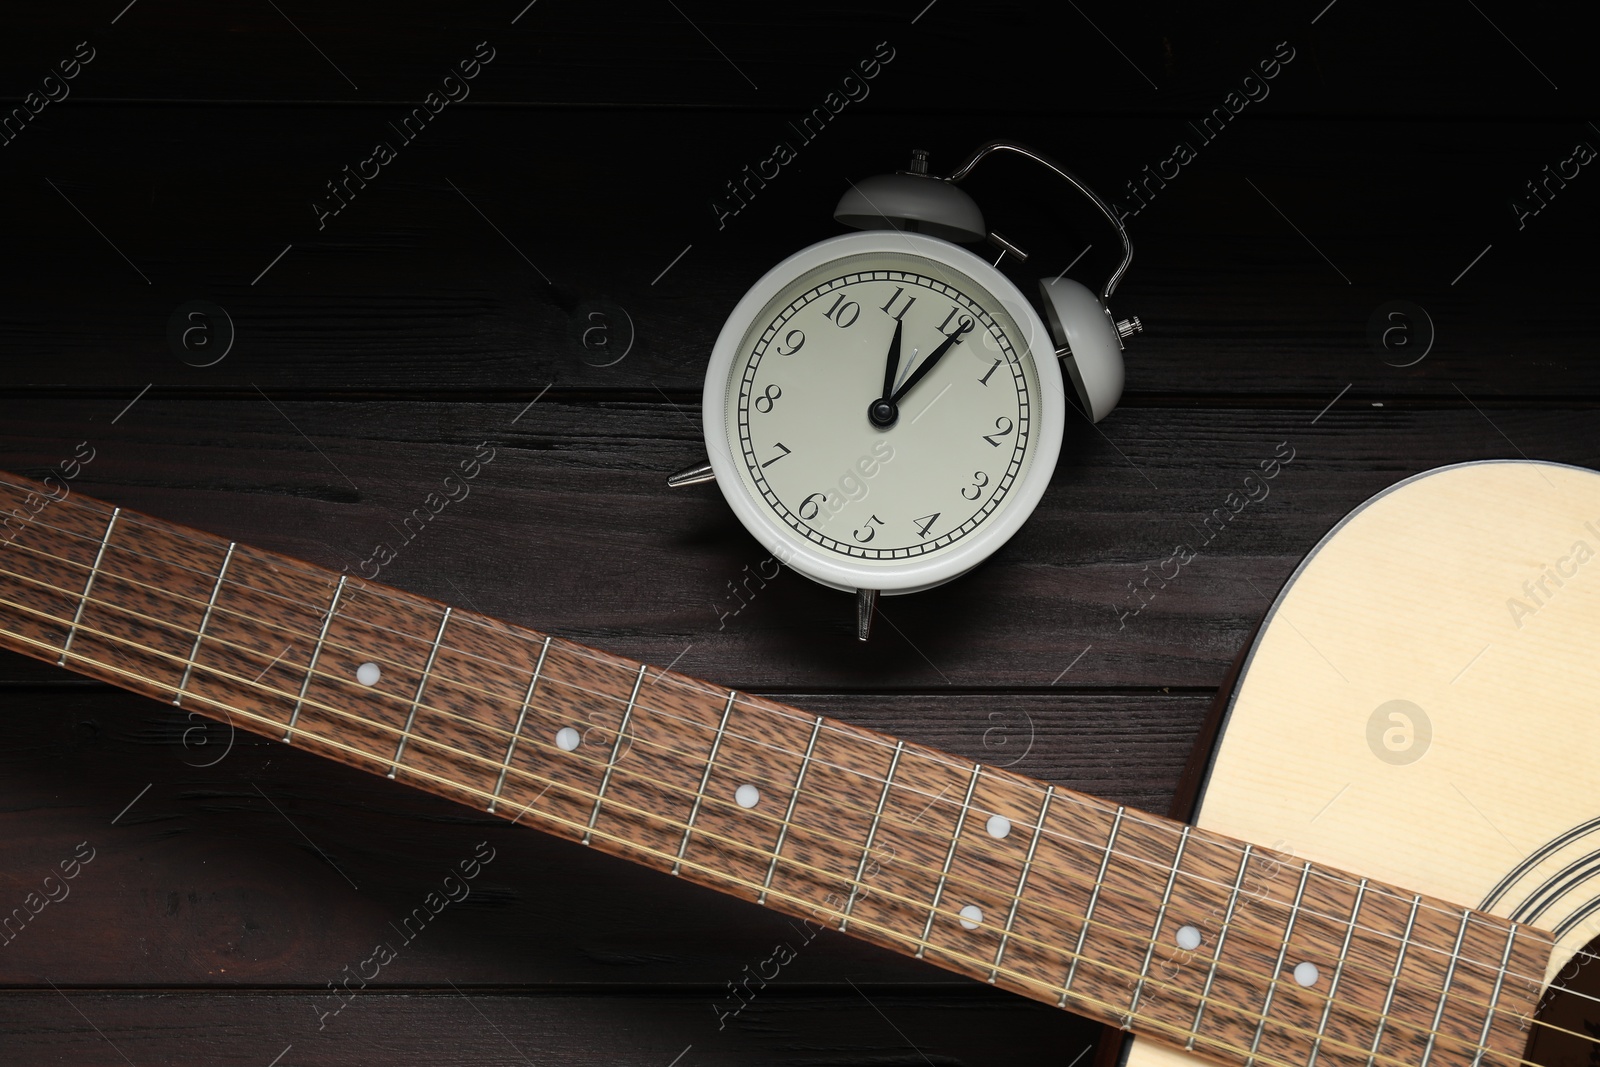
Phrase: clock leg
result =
(866, 604)
(700, 472)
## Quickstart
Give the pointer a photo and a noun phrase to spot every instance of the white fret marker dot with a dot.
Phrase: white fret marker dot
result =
(998, 827)
(971, 916)
(1188, 938)
(747, 796)
(567, 738)
(1306, 974)
(368, 674)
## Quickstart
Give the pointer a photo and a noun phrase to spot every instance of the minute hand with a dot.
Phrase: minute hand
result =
(933, 358)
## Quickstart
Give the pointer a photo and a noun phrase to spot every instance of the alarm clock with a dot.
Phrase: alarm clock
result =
(884, 409)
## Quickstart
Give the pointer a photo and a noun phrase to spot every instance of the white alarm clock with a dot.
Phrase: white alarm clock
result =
(884, 409)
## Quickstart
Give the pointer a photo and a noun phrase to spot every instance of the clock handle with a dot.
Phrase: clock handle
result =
(961, 172)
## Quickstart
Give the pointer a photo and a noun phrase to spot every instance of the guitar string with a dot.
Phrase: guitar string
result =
(624, 667)
(1084, 801)
(1484, 965)
(1189, 875)
(209, 541)
(1384, 1018)
(1122, 1015)
(1132, 935)
(609, 662)
(1194, 878)
(310, 570)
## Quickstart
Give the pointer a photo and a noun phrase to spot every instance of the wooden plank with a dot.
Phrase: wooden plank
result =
(1161, 57)
(252, 863)
(490, 1026)
(570, 529)
(411, 291)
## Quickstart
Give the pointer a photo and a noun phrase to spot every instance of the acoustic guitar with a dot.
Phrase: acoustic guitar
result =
(1394, 859)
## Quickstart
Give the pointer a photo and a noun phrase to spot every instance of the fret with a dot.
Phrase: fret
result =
(416, 701)
(1277, 970)
(1338, 973)
(1216, 956)
(1022, 881)
(204, 619)
(949, 857)
(516, 731)
(872, 832)
(380, 661)
(42, 568)
(1444, 990)
(1394, 981)
(257, 637)
(83, 601)
(1088, 913)
(476, 723)
(316, 652)
(794, 797)
(616, 750)
(1494, 998)
(700, 794)
(821, 862)
(1161, 917)
(671, 731)
(143, 603)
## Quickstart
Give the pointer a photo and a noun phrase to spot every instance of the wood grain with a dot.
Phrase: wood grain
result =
(194, 143)
(499, 1026)
(412, 292)
(1087, 918)
(281, 912)
(659, 571)
(1057, 63)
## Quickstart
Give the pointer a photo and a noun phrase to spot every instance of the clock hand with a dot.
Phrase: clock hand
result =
(892, 367)
(881, 412)
(928, 364)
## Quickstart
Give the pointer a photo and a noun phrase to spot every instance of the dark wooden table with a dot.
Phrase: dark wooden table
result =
(541, 266)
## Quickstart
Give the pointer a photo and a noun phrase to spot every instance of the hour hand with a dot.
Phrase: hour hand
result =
(882, 412)
(891, 368)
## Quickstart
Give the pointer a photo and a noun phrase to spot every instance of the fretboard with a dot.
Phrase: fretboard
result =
(1243, 955)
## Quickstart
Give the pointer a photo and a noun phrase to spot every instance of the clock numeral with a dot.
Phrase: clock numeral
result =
(811, 506)
(927, 523)
(842, 308)
(794, 345)
(984, 381)
(909, 301)
(1002, 427)
(867, 533)
(979, 480)
(963, 324)
(779, 456)
(772, 393)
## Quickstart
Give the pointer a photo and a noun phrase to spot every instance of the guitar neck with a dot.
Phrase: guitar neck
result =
(1185, 936)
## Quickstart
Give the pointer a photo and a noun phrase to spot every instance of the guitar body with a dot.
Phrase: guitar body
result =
(1422, 704)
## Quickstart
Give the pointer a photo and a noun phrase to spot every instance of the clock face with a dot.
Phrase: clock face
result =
(965, 429)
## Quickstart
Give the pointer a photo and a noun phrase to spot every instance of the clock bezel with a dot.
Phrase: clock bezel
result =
(916, 573)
